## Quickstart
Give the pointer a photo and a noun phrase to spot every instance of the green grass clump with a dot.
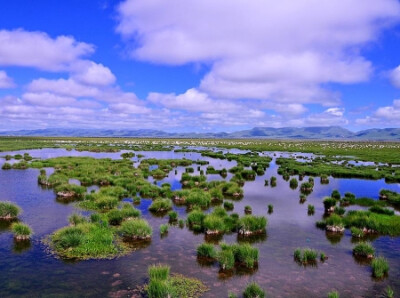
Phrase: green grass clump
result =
(391, 196)
(380, 267)
(356, 232)
(329, 203)
(21, 231)
(195, 220)
(226, 259)
(333, 294)
(380, 223)
(335, 194)
(248, 209)
(164, 229)
(293, 183)
(380, 210)
(6, 166)
(206, 250)
(105, 202)
(76, 219)
(136, 229)
(214, 224)
(339, 210)
(270, 208)
(158, 272)
(9, 210)
(364, 250)
(229, 205)
(85, 241)
(310, 209)
(161, 205)
(246, 254)
(173, 216)
(199, 198)
(253, 290)
(250, 224)
(305, 255)
(163, 285)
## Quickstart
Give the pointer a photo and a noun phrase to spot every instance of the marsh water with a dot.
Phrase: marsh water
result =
(31, 270)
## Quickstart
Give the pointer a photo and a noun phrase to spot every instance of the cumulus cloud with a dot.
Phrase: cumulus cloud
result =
(388, 115)
(395, 77)
(6, 81)
(39, 50)
(281, 51)
(93, 74)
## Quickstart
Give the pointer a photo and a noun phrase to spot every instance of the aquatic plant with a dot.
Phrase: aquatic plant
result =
(335, 194)
(333, 294)
(356, 232)
(270, 208)
(364, 249)
(21, 231)
(195, 220)
(305, 255)
(84, 241)
(136, 229)
(6, 166)
(273, 181)
(253, 290)
(76, 219)
(161, 205)
(380, 210)
(173, 216)
(310, 209)
(226, 259)
(293, 183)
(199, 198)
(229, 205)
(329, 204)
(380, 267)
(164, 229)
(8, 210)
(250, 224)
(206, 250)
(247, 209)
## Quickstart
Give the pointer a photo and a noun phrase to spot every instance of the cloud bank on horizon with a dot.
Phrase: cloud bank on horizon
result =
(259, 63)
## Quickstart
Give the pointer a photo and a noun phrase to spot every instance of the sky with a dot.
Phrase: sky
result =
(199, 65)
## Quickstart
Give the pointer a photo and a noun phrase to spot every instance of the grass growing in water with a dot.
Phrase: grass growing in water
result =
(85, 241)
(136, 229)
(164, 229)
(21, 231)
(9, 210)
(206, 250)
(305, 255)
(163, 285)
(364, 250)
(380, 267)
(253, 290)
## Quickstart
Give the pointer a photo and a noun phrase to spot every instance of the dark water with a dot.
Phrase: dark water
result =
(33, 271)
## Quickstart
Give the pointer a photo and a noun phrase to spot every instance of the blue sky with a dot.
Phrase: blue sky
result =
(199, 65)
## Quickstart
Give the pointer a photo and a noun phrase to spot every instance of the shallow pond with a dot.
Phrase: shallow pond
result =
(32, 271)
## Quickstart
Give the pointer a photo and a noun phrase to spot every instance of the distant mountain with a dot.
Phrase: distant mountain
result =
(330, 132)
(381, 134)
(309, 133)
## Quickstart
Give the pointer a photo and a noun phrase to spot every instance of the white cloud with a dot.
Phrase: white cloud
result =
(6, 81)
(335, 111)
(384, 116)
(39, 50)
(91, 73)
(395, 77)
(48, 99)
(281, 51)
(194, 101)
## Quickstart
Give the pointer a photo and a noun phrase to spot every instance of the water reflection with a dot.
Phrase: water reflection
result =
(35, 272)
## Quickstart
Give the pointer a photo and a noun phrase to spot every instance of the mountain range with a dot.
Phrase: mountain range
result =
(310, 133)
